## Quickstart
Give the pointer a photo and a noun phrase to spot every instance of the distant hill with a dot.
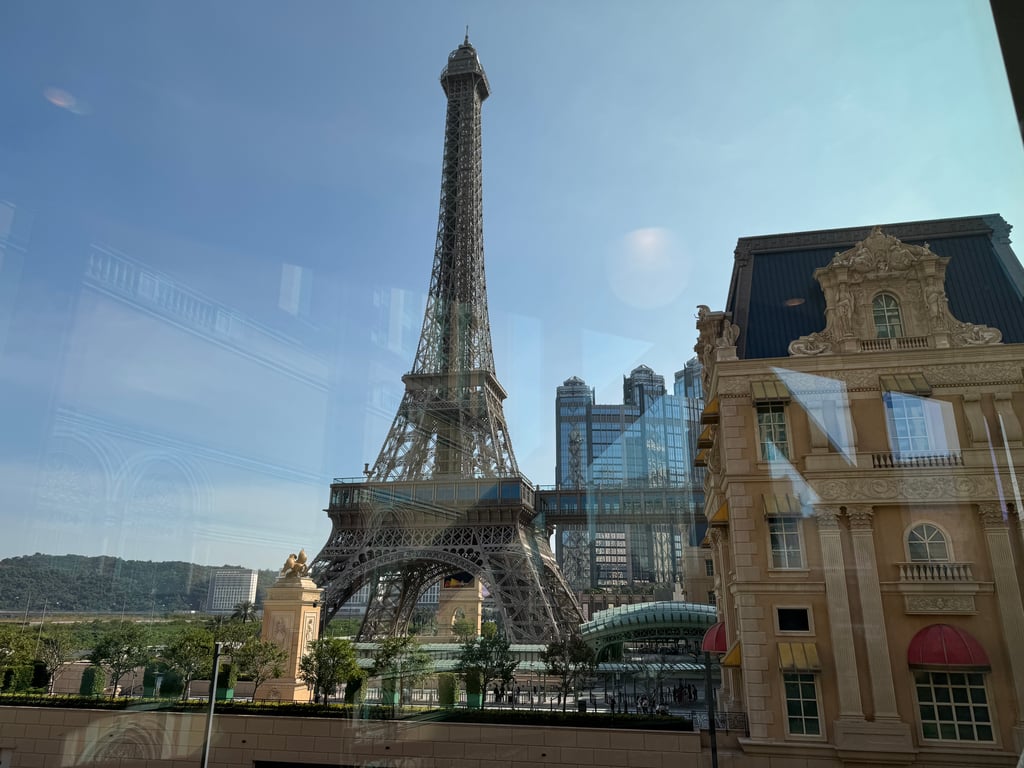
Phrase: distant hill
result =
(107, 584)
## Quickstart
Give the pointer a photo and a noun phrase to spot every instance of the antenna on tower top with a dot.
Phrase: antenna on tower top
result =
(467, 35)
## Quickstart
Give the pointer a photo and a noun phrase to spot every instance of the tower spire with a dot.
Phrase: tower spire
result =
(450, 421)
(445, 495)
(466, 41)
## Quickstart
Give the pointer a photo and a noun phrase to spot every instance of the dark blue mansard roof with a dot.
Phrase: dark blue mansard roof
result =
(775, 299)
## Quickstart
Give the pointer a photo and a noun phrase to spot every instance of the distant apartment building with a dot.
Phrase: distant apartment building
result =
(229, 587)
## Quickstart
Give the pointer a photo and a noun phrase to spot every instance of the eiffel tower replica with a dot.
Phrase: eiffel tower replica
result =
(445, 495)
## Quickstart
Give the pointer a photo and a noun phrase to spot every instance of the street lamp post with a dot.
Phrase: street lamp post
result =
(213, 699)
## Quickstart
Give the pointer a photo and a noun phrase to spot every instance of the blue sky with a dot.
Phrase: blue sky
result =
(265, 176)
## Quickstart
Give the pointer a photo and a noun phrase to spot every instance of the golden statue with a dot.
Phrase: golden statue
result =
(295, 565)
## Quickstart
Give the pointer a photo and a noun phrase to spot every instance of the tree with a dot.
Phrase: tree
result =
(14, 646)
(423, 621)
(120, 650)
(57, 649)
(463, 630)
(570, 661)
(400, 660)
(489, 658)
(230, 631)
(245, 612)
(190, 654)
(328, 662)
(261, 660)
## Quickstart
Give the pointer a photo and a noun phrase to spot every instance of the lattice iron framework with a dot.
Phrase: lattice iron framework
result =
(445, 494)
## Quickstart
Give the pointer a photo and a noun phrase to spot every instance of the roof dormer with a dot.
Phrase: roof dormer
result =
(884, 294)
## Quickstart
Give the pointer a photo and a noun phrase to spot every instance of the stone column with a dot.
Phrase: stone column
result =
(1008, 595)
(843, 650)
(291, 619)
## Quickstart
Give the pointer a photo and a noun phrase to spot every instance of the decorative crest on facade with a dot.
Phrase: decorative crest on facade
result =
(884, 294)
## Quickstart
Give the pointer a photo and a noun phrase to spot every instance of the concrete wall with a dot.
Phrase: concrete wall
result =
(42, 737)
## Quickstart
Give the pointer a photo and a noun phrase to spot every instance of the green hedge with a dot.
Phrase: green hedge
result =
(446, 690)
(94, 680)
(566, 719)
(17, 679)
(295, 709)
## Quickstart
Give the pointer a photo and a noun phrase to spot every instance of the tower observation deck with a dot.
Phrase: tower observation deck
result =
(445, 495)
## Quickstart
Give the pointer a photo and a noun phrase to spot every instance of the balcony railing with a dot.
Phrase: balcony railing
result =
(891, 460)
(900, 342)
(934, 573)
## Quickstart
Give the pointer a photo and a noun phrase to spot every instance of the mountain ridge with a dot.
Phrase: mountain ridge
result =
(108, 584)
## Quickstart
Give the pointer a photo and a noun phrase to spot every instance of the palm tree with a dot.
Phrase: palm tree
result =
(246, 611)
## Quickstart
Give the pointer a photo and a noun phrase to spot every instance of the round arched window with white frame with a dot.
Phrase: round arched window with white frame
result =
(927, 543)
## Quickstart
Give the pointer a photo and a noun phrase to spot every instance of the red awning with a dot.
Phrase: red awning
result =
(714, 639)
(941, 645)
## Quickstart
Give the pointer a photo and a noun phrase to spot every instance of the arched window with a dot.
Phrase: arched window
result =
(926, 543)
(888, 322)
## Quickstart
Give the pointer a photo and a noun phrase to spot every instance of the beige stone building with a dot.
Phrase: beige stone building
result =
(864, 404)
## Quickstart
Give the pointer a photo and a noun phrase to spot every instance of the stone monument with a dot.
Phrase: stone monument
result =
(291, 620)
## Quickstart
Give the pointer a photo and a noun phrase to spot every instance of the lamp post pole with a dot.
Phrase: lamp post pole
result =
(709, 695)
(213, 698)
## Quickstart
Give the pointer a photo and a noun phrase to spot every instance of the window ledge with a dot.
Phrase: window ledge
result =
(795, 573)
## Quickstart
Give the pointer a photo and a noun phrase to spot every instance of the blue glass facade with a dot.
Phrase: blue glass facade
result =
(621, 453)
(639, 443)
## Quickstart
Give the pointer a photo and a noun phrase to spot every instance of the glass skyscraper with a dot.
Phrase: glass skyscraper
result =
(622, 458)
(637, 444)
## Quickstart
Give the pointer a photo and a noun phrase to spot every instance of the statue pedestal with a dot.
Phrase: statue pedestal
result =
(291, 620)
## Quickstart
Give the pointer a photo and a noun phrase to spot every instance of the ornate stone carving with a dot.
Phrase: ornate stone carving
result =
(858, 379)
(716, 331)
(733, 386)
(730, 332)
(992, 514)
(827, 518)
(964, 374)
(923, 488)
(913, 274)
(969, 334)
(812, 344)
(939, 603)
(860, 517)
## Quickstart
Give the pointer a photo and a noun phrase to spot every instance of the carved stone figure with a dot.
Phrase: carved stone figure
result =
(730, 332)
(813, 344)
(969, 334)
(295, 565)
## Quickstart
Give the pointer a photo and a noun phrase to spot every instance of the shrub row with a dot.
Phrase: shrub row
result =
(297, 709)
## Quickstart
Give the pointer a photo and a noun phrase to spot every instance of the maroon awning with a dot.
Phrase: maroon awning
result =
(942, 645)
(714, 639)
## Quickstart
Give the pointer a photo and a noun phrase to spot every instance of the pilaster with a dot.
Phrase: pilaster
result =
(866, 567)
(887, 721)
(1008, 595)
(840, 623)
